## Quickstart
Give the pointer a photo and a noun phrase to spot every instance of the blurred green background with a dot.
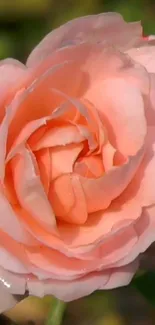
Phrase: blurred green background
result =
(23, 23)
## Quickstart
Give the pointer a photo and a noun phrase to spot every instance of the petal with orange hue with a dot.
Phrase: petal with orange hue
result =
(67, 198)
(14, 283)
(104, 27)
(121, 276)
(59, 136)
(68, 290)
(7, 300)
(71, 290)
(8, 217)
(11, 263)
(4, 130)
(63, 159)
(108, 153)
(126, 125)
(104, 256)
(142, 184)
(44, 164)
(101, 191)
(145, 55)
(39, 101)
(91, 166)
(30, 191)
(12, 75)
(145, 229)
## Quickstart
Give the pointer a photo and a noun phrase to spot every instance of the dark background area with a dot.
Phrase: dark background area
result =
(23, 23)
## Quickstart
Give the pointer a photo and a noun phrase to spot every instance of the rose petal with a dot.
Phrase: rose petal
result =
(121, 277)
(30, 191)
(72, 209)
(12, 75)
(144, 55)
(44, 164)
(8, 217)
(58, 136)
(100, 192)
(106, 26)
(63, 159)
(118, 113)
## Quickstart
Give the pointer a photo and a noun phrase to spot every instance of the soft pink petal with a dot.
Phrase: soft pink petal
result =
(38, 100)
(44, 165)
(101, 191)
(7, 300)
(12, 75)
(68, 200)
(121, 276)
(145, 229)
(4, 130)
(91, 166)
(63, 159)
(104, 27)
(30, 191)
(68, 290)
(14, 283)
(11, 263)
(9, 217)
(142, 185)
(144, 55)
(58, 136)
(126, 125)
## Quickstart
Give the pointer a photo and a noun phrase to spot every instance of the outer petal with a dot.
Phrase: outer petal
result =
(30, 191)
(101, 191)
(68, 291)
(7, 300)
(126, 125)
(144, 55)
(106, 26)
(121, 276)
(12, 75)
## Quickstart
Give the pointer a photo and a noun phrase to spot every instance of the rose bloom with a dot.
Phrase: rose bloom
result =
(77, 160)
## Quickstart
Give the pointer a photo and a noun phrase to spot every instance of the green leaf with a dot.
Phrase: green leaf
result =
(56, 313)
(145, 284)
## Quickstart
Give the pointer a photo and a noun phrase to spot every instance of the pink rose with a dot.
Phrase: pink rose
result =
(77, 160)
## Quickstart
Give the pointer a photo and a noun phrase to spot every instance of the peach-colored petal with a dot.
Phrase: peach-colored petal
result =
(8, 217)
(68, 290)
(142, 185)
(12, 74)
(104, 27)
(71, 290)
(39, 101)
(14, 283)
(11, 263)
(145, 229)
(44, 164)
(108, 152)
(7, 300)
(58, 136)
(105, 256)
(30, 191)
(144, 55)
(91, 166)
(121, 276)
(63, 159)
(4, 130)
(67, 198)
(126, 125)
(100, 192)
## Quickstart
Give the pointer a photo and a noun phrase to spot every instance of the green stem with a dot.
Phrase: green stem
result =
(56, 313)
